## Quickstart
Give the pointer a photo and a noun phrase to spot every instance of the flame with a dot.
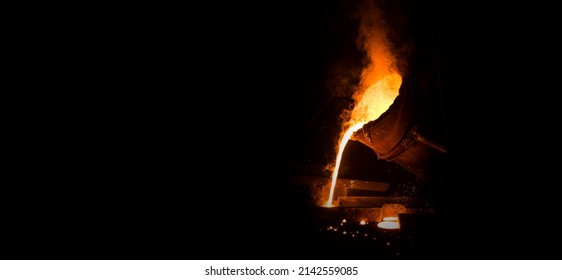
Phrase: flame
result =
(376, 99)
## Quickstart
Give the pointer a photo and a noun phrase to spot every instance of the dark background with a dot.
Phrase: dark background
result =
(169, 132)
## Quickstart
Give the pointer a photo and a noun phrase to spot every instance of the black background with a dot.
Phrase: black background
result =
(166, 132)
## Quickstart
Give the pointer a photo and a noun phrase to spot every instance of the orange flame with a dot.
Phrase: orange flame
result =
(376, 99)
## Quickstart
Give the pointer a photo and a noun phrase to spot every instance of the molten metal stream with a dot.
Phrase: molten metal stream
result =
(343, 143)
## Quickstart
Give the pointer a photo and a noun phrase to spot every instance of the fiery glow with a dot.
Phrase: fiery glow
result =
(376, 99)
(363, 223)
(389, 223)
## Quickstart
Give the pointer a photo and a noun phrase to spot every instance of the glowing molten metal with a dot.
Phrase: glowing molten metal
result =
(389, 223)
(374, 101)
